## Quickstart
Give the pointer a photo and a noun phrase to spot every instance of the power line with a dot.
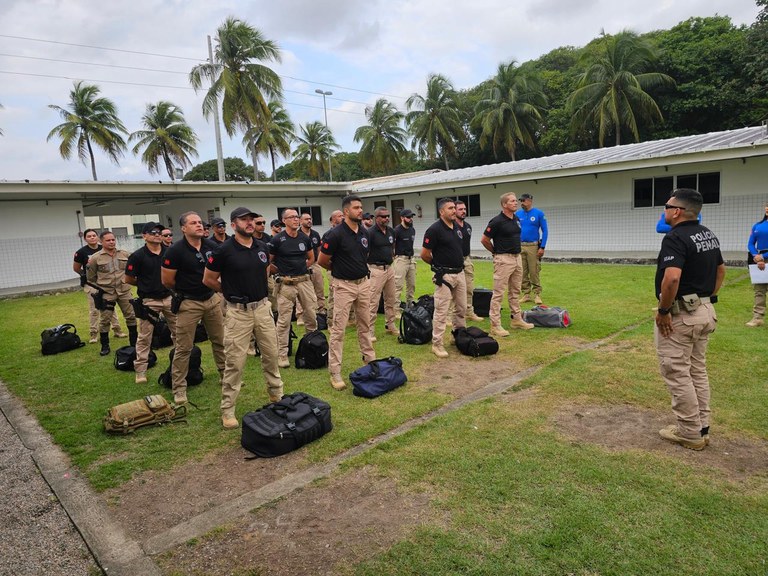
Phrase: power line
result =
(193, 60)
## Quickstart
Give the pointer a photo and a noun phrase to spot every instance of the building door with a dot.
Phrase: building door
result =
(397, 205)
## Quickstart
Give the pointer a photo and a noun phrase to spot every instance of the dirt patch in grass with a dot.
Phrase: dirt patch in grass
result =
(461, 375)
(155, 501)
(318, 530)
(629, 428)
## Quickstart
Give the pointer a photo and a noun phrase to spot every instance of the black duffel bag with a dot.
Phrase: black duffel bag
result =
(60, 339)
(473, 341)
(161, 335)
(125, 356)
(416, 322)
(286, 425)
(195, 374)
(378, 377)
(312, 352)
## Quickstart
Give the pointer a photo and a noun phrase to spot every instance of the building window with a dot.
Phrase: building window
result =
(313, 211)
(471, 200)
(654, 192)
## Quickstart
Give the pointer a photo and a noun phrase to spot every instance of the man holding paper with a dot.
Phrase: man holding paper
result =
(758, 250)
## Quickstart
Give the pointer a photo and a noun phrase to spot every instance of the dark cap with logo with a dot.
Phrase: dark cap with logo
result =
(526, 197)
(276, 222)
(150, 226)
(218, 222)
(240, 212)
(367, 216)
(406, 213)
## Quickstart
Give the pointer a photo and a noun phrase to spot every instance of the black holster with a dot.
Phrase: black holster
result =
(176, 301)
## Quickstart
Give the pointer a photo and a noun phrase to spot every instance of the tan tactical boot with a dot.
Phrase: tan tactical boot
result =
(439, 351)
(337, 383)
(537, 299)
(141, 377)
(498, 332)
(229, 422)
(525, 298)
(670, 433)
(283, 362)
(755, 322)
(472, 317)
(180, 398)
(519, 324)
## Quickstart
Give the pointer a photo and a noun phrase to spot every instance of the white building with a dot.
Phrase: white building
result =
(606, 200)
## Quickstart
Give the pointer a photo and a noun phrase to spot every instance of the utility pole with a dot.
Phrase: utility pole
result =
(325, 110)
(217, 128)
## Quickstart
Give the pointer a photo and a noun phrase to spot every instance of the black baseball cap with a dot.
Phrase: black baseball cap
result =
(149, 226)
(218, 222)
(526, 197)
(240, 212)
(276, 222)
(367, 216)
(406, 213)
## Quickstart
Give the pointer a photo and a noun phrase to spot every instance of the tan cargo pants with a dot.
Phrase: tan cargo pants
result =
(444, 296)
(349, 295)
(241, 326)
(122, 301)
(147, 329)
(758, 310)
(93, 314)
(405, 275)
(507, 275)
(531, 268)
(683, 366)
(383, 281)
(318, 283)
(287, 295)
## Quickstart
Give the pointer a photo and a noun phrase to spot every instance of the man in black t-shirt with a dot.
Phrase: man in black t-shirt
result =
(291, 255)
(404, 263)
(442, 250)
(143, 271)
(182, 272)
(689, 273)
(345, 253)
(82, 255)
(238, 269)
(317, 272)
(219, 228)
(502, 239)
(382, 243)
(336, 218)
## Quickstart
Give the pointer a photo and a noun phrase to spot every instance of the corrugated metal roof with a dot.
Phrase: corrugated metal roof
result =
(603, 157)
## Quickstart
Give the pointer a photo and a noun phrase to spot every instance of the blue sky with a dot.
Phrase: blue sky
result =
(359, 50)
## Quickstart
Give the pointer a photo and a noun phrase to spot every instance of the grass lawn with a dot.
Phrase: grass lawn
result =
(520, 497)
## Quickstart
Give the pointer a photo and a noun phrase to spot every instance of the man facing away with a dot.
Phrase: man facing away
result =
(382, 242)
(291, 255)
(404, 263)
(689, 273)
(182, 273)
(502, 239)
(238, 269)
(442, 250)
(144, 272)
(533, 239)
(345, 253)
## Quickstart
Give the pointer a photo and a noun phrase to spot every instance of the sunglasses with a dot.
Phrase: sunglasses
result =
(154, 233)
(260, 223)
(671, 207)
(167, 235)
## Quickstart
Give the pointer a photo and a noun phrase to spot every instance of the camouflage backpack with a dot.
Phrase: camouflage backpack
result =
(150, 410)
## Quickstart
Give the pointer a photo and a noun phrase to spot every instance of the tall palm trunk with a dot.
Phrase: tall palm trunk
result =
(274, 170)
(255, 158)
(169, 166)
(93, 160)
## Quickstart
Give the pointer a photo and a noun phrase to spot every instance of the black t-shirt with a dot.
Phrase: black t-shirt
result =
(82, 255)
(290, 253)
(446, 245)
(696, 251)
(466, 240)
(315, 240)
(145, 267)
(381, 244)
(505, 233)
(404, 239)
(190, 265)
(264, 238)
(217, 241)
(243, 269)
(348, 251)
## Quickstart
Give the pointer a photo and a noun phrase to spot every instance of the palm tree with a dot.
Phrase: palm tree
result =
(273, 138)
(166, 137)
(239, 79)
(434, 120)
(383, 138)
(316, 144)
(612, 94)
(89, 120)
(511, 110)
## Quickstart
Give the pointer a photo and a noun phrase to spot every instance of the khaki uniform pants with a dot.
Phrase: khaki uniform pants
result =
(147, 329)
(319, 285)
(271, 287)
(405, 275)
(683, 366)
(190, 313)
(469, 279)
(287, 295)
(349, 295)
(383, 281)
(758, 310)
(531, 268)
(241, 327)
(507, 275)
(123, 301)
(443, 298)
(93, 314)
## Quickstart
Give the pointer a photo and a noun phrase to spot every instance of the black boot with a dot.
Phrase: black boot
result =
(133, 334)
(104, 344)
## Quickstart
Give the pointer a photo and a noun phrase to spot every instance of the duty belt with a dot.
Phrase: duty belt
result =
(529, 243)
(293, 280)
(380, 266)
(357, 281)
(249, 305)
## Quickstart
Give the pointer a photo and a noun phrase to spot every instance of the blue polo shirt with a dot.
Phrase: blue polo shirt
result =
(758, 238)
(531, 222)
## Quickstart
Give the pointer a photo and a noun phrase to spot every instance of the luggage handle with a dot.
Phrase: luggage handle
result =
(374, 364)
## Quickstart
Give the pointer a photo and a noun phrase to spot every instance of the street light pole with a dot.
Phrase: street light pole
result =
(325, 111)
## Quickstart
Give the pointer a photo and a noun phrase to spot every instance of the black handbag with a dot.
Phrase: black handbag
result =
(125, 356)
(60, 339)
(378, 377)
(286, 425)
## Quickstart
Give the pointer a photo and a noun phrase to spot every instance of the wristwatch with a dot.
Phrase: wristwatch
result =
(664, 311)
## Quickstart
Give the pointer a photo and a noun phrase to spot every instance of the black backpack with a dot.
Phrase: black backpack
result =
(473, 341)
(195, 372)
(201, 334)
(60, 339)
(322, 321)
(125, 356)
(416, 322)
(312, 351)
(161, 335)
